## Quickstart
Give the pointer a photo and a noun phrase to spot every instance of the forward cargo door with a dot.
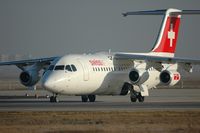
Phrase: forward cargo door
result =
(85, 70)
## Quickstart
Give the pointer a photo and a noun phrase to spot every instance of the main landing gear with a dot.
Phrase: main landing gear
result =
(91, 98)
(54, 98)
(134, 96)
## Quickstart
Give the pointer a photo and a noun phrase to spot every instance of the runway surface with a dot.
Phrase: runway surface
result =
(163, 99)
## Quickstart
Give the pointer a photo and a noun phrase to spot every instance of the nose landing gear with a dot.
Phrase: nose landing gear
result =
(54, 98)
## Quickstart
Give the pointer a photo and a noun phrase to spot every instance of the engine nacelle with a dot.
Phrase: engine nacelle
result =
(29, 78)
(169, 77)
(138, 76)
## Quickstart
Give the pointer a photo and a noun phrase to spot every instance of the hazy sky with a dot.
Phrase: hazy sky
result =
(57, 27)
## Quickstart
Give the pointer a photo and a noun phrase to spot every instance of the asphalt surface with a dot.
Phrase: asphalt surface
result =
(159, 99)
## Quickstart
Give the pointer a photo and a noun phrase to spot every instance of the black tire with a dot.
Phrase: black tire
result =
(133, 99)
(51, 99)
(54, 99)
(133, 96)
(84, 98)
(140, 98)
(92, 98)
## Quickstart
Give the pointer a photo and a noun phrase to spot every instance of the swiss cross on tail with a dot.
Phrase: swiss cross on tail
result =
(171, 35)
(167, 39)
(165, 45)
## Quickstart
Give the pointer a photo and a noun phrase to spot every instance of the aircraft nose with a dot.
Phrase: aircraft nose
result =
(48, 84)
(52, 82)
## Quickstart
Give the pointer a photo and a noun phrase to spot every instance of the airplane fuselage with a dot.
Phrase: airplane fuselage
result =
(98, 74)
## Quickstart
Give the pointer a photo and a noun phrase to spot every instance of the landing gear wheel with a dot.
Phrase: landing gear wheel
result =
(140, 98)
(54, 99)
(133, 96)
(84, 98)
(92, 98)
(133, 99)
(136, 95)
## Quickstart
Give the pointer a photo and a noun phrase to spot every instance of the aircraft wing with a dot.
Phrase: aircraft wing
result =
(45, 61)
(157, 59)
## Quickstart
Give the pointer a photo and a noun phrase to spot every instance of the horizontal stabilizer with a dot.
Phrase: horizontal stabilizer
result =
(162, 12)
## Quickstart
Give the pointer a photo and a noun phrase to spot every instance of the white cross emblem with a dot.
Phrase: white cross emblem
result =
(171, 35)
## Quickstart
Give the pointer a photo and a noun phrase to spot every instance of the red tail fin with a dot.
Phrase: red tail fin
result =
(166, 43)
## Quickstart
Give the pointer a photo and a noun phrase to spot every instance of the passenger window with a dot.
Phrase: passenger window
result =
(51, 67)
(68, 68)
(60, 67)
(73, 68)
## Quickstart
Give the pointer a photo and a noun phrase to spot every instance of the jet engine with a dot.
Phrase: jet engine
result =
(29, 78)
(169, 77)
(138, 76)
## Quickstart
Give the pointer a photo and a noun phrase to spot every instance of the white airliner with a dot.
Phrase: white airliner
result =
(113, 73)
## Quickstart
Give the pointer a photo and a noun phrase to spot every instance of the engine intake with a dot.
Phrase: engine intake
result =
(169, 77)
(138, 76)
(25, 77)
(165, 77)
(29, 78)
(134, 76)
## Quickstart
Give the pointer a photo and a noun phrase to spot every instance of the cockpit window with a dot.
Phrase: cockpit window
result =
(68, 68)
(51, 67)
(60, 67)
(73, 68)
